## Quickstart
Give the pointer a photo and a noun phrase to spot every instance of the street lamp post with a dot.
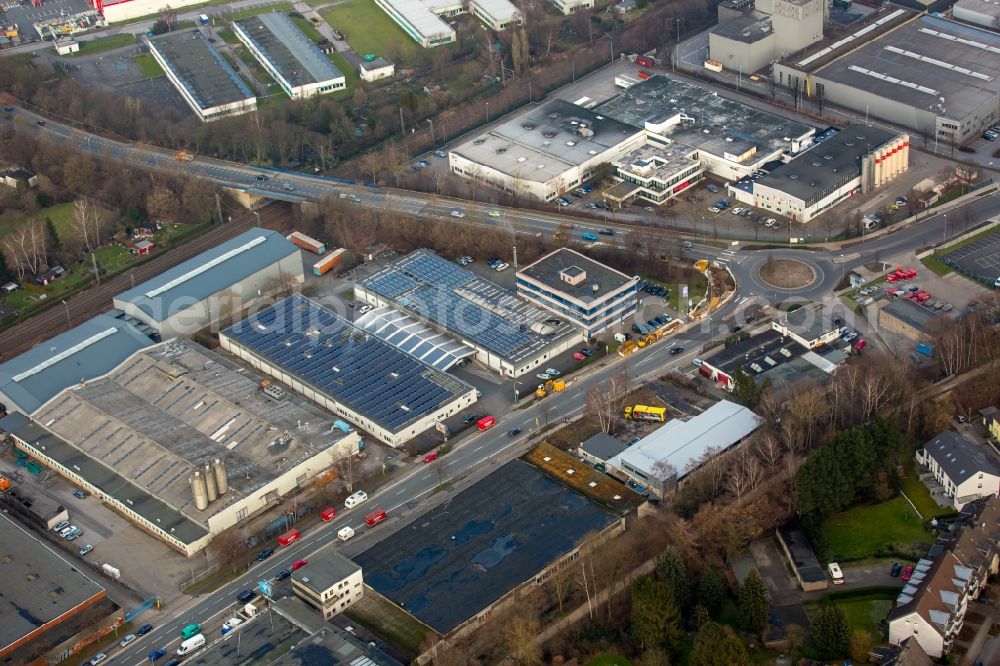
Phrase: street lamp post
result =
(433, 141)
(69, 323)
(945, 236)
(487, 113)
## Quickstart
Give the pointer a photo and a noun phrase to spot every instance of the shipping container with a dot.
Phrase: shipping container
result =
(713, 65)
(374, 517)
(306, 243)
(925, 349)
(644, 61)
(322, 266)
(486, 423)
(291, 536)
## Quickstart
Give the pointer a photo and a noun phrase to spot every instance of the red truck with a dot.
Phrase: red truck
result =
(374, 517)
(288, 537)
(486, 423)
(644, 61)
(643, 74)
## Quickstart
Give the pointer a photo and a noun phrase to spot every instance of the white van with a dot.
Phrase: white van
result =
(191, 644)
(345, 533)
(835, 573)
(356, 499)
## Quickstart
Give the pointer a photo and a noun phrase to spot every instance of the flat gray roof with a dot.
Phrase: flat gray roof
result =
(548, 269)
(827, 165)
(544, 142)
(200, 68)
(208, 273)
(498, 9)
(987, 7)
(923, 61)
(325, 571)
(915, 315)
(171, 409)
(290, 52)
(89, 350)
(603, 446)
(467, 306)
(718, 125)
(419, 15)
(38, 584)
(807, 324)
(749, 28)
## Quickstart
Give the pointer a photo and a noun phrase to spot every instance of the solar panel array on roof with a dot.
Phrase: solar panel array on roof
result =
(358, 370)
(434, 270)
(391, 284)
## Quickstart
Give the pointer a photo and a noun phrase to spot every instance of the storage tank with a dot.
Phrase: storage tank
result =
(221, 482)
(213, 493)
(200, 491)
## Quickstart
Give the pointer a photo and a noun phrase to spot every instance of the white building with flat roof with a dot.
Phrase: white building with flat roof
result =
(496, 14)
(378, 68)
(422, 20)
(291, 58)
(568, 7)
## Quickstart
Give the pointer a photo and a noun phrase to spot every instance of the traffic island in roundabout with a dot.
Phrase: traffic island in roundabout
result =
(787, 273)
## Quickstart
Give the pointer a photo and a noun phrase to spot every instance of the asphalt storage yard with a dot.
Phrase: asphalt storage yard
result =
(979, 260)
(462, 556)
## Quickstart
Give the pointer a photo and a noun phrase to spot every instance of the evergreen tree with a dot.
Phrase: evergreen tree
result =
(712, 591)
(656, 620)
(670, 569)
(5, 273)
(753, 603)
(831, 632)
(715, 646)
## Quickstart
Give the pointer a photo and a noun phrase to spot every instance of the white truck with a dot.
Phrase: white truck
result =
(190, 645)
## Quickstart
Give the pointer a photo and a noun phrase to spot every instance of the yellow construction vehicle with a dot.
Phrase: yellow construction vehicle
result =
(701, 266)
(184, 156)
(549, 386)
(627, 347)
(645, 413)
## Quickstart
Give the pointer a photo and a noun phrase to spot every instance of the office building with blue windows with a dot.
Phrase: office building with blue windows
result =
(585, 292)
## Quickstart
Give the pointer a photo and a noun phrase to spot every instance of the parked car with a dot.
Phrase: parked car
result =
(99, 657)
(607, 232)
(79, 494)
(282, 575)
(86, 549)
(440, 153)
(457, 213)
(60, 526)
(264, 554)
(687, 245)
(896, 569)
(712, 188)
(959, 418)
(128, 639)
(144, 629)
(552, 372)
(907, 572)
(543, 376)
(298, 564)
(587, 236)
(431, 456)
(578, 356)
(586, 351)
(470, 418)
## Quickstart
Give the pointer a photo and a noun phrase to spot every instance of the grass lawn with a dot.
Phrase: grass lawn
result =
(396, 626)
(918, 494)
(866, 615)
(103, 44)
(228, 36)
(148, 65)
(931, 262)
(350, 73)
(370, 30)
(113, 258)
(60, 215)
(697, 286)
(609, 660)
(874, 531)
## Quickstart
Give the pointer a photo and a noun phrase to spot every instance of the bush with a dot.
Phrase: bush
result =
(160, 27)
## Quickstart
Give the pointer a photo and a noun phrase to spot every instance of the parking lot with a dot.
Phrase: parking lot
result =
(979, 260)
(463, 555)
(24, 14)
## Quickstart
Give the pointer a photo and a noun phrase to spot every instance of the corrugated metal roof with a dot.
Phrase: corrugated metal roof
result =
(208, 273)
(680, 444)
(90, 350)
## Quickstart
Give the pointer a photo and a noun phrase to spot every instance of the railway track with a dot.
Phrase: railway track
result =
(42, 326)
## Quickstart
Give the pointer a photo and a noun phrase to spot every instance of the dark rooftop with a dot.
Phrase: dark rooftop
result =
(603, 446)
(288, 50)
(599, 280)
(827, 165)
(333, 357)
(203, 72)
(325, 571)
(38, 584)
(378, 63)
(749, 28)
(909, 312)
(960, 457)
(803, 558)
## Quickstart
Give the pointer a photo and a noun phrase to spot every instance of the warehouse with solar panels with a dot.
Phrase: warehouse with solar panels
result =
(354, 374)
(509, 335)
(216, 284)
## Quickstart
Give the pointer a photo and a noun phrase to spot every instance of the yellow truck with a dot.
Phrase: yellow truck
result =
(646, 413)
(549, 386)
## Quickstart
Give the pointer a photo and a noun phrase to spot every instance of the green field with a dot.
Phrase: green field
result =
(396, 626)
(877, 530)
(148, 66)
(351, 74)
(103, 44)
(370, 30)
(307, 27)
(60, 214)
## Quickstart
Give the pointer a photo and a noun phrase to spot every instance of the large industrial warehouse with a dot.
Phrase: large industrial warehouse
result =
(182, 442)
(206, 81)
(357, 376)
(661, 135)
(291, 58)
(509, 335)
(215, 284)
(937, 77)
